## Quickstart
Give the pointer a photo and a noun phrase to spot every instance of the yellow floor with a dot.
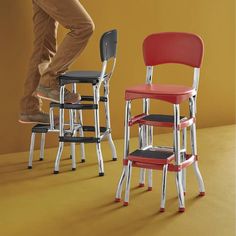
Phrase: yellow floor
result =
(36, 202)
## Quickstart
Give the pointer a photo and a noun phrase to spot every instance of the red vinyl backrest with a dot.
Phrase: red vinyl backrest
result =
(173, 47)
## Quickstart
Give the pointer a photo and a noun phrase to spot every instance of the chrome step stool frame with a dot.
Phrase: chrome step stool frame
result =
(182, 160)
(108, 44)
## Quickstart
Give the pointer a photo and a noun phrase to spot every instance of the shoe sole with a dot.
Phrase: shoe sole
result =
(32, 122)
(52, 100)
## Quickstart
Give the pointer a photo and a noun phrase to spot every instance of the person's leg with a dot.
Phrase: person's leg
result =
(72, 15)
(45, 29)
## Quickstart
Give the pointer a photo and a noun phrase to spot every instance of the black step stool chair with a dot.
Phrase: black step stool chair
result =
(108, 44)
(96, 79)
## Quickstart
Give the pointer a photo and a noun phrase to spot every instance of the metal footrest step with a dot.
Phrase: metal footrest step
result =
(91, 98)
(79, 106)
(156, 120)
(69, 139)
(92, 129)
(83, 98)
(152, 156)
(161, 118)
(76, 106)
(40, 128)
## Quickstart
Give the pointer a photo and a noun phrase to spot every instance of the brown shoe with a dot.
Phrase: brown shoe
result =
(37, 117)
(52, 93)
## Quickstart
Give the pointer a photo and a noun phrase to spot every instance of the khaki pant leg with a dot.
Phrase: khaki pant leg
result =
(72, 15)
(44, 48)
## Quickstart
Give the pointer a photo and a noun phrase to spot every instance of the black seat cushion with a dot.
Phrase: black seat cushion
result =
(91, 77)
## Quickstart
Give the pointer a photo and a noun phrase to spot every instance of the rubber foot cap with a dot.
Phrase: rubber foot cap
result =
(73, 169)
(70, 156)
(40, 159)
(83, 160)
(181, 209)
(149, 188)
(56, 172)
(125, 204)
(141, 185)
(117, 199)
(114, 159)
(101, 174)
(29, 167)
(162, 209)
(201, 194)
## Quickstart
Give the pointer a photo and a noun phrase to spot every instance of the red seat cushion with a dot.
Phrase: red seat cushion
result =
(166, 92)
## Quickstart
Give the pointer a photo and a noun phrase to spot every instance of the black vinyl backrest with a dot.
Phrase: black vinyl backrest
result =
(108, 43)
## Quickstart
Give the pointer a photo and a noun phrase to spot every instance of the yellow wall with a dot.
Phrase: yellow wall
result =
(134, 19)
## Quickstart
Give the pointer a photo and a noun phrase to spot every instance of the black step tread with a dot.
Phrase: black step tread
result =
(77, 106)
(92, 129)
(40, 128)
(80, 77)
(70, 139)
(152, 153)
(91, 98)
(83, 98)
(161, 118)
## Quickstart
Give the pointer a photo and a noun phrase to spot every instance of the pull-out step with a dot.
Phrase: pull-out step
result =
(91, 98)
(76, 106)
(92, 129)
(83, 98)
(152, 156)
(159, 120)
(79, 106)
(69, 139)
(40, 128)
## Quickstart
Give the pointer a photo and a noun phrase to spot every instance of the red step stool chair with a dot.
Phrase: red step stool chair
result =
(162, 48)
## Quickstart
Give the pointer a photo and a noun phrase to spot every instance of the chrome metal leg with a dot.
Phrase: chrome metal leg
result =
(58, 158)
(81, 133)
(141, 145)
(108, 121)
(180, 191)
(51, 116)
(31, 151)
(113, 148)
(150, 143)
(120, 185)
(42, 144)
(150, 135)
(194, 149)
(199, 178)
(100, 159)
(97, 131)
(73, 156)
(163, 188)
(142, 177)
(149, 180)
(184, 146)
(126, 150)
(74, 134)
(145, 134)
(140, 136)
(61, 133)
(128, 180)
(177, 157)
